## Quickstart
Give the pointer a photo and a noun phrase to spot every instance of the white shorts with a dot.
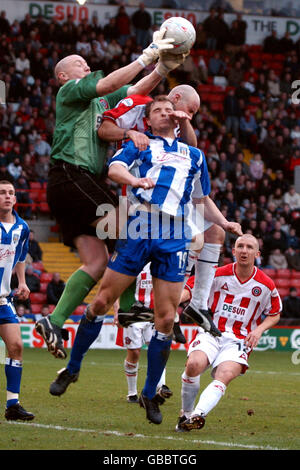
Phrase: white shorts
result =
(136, 335)
(221, 349)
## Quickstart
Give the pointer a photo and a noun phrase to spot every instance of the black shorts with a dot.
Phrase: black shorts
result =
(73, 195)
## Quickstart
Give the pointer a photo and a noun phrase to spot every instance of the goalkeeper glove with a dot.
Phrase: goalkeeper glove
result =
(150, 54)
(168, 62)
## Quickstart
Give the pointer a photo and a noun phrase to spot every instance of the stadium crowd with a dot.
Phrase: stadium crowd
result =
(251, 137)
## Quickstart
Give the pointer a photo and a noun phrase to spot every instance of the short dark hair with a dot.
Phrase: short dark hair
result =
(6, 182)
(158, 98)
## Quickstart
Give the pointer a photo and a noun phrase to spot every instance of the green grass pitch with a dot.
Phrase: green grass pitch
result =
(94, 415)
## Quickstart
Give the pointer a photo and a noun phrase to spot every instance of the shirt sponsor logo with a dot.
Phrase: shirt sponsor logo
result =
(6, 253)
(233, 309)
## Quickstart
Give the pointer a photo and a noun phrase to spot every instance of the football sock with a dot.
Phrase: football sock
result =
(162, 380)
(192, 258)
(13, 372)
(87, 333)
(158, 354)
(204, 274)
(190, 387)
(210, 397)
(131, 372)
(77, 288)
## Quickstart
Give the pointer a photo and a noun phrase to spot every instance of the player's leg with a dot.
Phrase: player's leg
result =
(205, 265)
(11, 335)
(166, 299)
(131, 364)
(197, 363)
(112, 286)
(93, 254)
(212, 394)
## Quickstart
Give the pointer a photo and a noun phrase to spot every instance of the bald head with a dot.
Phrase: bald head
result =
(185, 98)
(246, 238)
(71, 67)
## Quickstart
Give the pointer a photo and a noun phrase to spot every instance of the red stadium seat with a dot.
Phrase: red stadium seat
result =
(272, 273)
(283, 292)
(35, 185)
(38, 298)
(79, 310)
(284, 273)
(43, 287)
(51, 308)
(36, 308)
(283, 283)
(43, 207)
(295, 283)
(38, 265)
(295, 274)
(46, 277)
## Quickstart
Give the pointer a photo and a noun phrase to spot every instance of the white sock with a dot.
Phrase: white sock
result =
(131, 371)
(192, 258)
(162, 380)
(204, 274)
(210, 397)
(190, 387)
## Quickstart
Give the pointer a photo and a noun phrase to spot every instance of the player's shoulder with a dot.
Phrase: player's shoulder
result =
(132, 101)
(264, 279)
(226, 270)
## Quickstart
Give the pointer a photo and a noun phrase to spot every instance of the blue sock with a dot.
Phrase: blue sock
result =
(158, 354)
(13, 372)
(87, 333)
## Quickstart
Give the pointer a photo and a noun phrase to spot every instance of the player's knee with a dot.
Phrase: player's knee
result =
(192, 367)
(215, 234)
(164, 323)
(101, 304)
(226, 375)
(15, 349)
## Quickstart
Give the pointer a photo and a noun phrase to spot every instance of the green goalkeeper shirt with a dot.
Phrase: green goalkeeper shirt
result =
(78, 116)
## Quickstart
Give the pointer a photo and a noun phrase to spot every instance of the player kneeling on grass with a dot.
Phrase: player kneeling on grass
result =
(240, 294)
(14, 233)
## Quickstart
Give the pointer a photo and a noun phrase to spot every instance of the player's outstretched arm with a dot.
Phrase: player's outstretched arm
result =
(124, 75)
(22, 291)
(118, 173)
(110, 132)
(213, 214)
(254, 336)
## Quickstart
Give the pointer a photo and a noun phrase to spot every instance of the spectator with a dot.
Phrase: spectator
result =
(41, 168)
(22, 62)
(271, 43)
(15, 169)
(123, 25)
(248, 128)
(293, 258)
(210, 26)
(23, 197)
(277, 260)
(21, 313)
(276, 198)
(45, 311)
(292, 198)
(142, 22)
(216, 65)
(32, 280)
(256, 167)
(41, 146)
(291, 307)
(34, 249)
(55, 289)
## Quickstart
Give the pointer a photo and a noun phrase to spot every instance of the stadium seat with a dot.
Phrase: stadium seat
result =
(283, 292)
(51, 308)
(38, 265)
(285, 283)
(270, 272)
(46, 277)
(38, 298)
(79, 310)
(295, 283)
(295, 275)
(36, 308)
(43, 287)
(35, 185)
(284, 273)
(43, 207)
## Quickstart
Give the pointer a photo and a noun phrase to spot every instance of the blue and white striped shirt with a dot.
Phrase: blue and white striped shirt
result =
(13, 249)
(178, 170)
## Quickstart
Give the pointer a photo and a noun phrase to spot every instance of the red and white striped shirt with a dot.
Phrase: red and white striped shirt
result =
(238, 306)
(144, 287)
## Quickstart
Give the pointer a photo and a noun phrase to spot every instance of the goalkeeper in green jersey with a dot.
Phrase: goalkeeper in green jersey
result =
(77, 177)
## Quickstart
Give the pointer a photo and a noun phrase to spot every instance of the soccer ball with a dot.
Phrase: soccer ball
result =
(182, 31)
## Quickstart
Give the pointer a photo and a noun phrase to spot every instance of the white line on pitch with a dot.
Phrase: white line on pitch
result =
(142, 436)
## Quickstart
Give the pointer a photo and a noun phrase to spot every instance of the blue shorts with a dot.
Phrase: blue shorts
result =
(8, 314)
(168, 255)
